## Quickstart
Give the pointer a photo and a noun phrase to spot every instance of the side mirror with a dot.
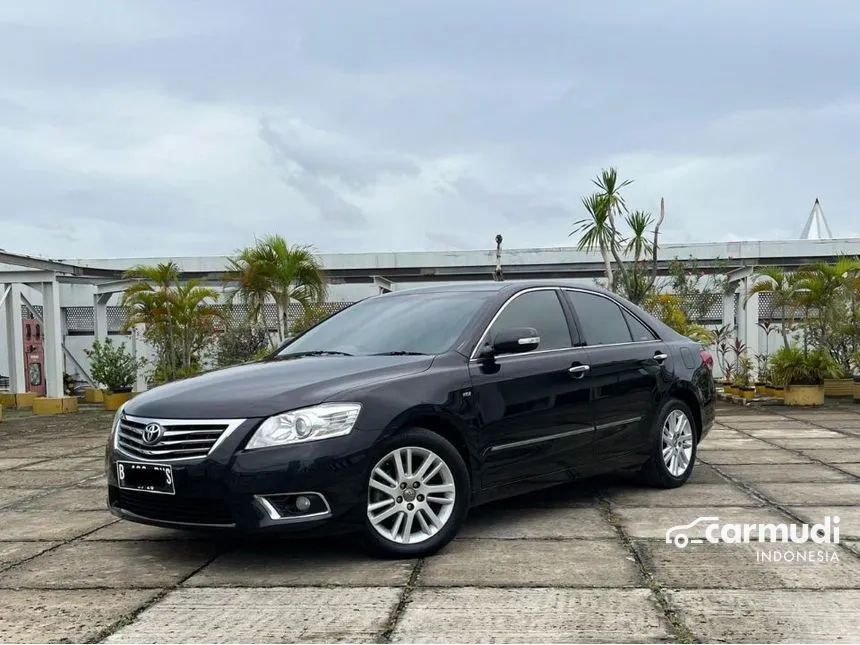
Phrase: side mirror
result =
(515, 340)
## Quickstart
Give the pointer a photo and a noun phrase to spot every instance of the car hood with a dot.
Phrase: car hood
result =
(266, 388)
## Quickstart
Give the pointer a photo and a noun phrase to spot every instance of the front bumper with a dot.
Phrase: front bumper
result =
(233, 490)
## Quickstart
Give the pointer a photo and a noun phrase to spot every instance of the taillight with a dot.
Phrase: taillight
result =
(707, 359)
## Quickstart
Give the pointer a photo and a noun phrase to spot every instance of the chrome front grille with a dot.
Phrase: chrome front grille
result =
(179, 440)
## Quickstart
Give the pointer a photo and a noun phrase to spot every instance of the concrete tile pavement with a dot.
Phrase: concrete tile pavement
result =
(585, 562)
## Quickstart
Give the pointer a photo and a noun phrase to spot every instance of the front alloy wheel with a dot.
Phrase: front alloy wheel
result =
(417, 495)
(411, 495)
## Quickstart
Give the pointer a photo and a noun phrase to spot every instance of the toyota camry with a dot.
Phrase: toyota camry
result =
(392, 418)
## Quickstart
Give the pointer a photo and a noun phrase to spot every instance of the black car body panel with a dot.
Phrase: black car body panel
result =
(267, 388)
(520, 421)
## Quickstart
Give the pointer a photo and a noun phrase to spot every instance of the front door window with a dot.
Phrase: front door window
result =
(540, 310)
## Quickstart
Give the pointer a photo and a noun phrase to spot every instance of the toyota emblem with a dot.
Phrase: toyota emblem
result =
(152, 433)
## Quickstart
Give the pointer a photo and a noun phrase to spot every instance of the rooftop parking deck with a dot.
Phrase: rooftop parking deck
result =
(583, 562)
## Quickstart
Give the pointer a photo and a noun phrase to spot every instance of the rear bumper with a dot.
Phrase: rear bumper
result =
(708, 407)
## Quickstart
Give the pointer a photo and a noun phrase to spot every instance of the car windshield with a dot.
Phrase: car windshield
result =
(426, 323)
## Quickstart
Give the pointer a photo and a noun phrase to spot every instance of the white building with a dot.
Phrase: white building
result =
(75, 300)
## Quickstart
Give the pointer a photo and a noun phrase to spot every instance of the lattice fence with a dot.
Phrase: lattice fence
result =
(26, 313)
(81, 320)
(705, 308)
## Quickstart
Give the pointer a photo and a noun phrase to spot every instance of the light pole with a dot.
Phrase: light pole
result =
(497, 273)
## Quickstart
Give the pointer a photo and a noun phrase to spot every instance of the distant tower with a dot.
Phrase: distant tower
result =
(816, 227)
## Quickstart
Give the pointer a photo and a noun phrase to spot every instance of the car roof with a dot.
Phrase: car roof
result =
(492, 286)
(508, 288)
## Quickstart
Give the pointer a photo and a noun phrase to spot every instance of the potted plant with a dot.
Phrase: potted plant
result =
(729, 383)
(841, 385)
(802, 374)
(856, 378)
(743, 382)
(112, 366)
(763, 384)
(721, 341)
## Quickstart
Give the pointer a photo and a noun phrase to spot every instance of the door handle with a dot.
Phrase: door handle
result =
(579, 371)
(660, 357)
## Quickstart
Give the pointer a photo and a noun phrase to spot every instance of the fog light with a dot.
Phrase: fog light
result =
(294, 506)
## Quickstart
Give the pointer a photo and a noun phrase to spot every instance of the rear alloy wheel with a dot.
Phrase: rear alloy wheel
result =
(677, 445)
(417, 495)
(673, 447)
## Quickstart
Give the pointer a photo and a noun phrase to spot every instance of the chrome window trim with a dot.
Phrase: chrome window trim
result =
(623, 309)
(473, 355)
(473, 358)
(232, 425)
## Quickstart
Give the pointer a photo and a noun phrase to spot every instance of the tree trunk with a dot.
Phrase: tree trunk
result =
(262, 323)
(654, 249)
(171, 352)
(286, 317)
(607, 266)
(614, 249)
(783, 330)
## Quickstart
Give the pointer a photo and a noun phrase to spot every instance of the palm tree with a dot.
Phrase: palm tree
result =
(253, 286)
(638, 244)
(826, 289)
(195, 320)
(785, 289)
(636, 284)
(272, 268)
(175, 316)
(147, 303)
(610, 190)
(596, 231)
(599, 231)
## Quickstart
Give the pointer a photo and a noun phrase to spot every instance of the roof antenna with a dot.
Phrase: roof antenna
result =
(497, 274)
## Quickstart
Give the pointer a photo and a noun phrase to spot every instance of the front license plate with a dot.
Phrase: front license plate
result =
(151, 478)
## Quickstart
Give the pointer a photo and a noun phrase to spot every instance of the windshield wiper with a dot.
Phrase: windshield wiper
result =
(316, 352)
(400, 353)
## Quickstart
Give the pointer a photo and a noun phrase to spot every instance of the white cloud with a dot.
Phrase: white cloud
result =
(154, 128)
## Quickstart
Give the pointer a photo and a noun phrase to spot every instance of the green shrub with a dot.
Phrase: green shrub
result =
(792, 366)
(241, 343)
(112, 366)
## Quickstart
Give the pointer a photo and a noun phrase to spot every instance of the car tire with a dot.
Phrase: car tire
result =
(453, 474)
(680, 441)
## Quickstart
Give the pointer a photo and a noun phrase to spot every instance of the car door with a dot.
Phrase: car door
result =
(628, 365)
(533, 409)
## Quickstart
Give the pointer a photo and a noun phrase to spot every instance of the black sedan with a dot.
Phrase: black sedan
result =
(395, 416)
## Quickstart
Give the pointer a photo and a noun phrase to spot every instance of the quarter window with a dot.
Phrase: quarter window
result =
(601, 319)
(640, 332)
(540, 310)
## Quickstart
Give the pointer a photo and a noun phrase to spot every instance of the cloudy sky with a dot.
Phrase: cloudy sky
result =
(180, 127)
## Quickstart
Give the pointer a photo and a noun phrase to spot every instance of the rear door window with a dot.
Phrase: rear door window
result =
(602, 321)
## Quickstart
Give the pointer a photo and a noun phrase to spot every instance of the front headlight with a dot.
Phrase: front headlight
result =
(307, 424)
(115, 425)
